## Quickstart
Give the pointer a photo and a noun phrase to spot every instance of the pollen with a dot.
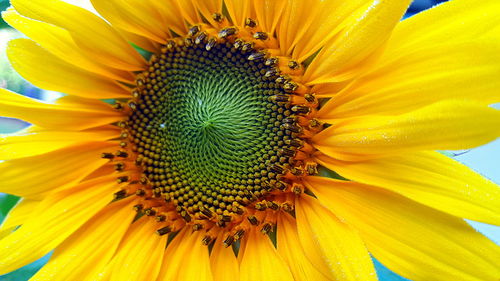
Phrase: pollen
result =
(217, 133)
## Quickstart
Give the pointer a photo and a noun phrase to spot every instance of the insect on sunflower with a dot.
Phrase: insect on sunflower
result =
(251, 140)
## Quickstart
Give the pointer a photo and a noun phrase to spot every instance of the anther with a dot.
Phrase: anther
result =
(277, 169)
(138, 207)
(185, 216)
(132, 105)
(118, 106)
(250, 23)
(291, 119)
(164, 230)
(210, 44)
(122, 124)
(107, 155)
(312, 168)
(160, 218)
(197, 226)
(272, 205)
(170, 45)
(280, 98)
(247, 46)
(119, 166)
(123, 144)
(287, 152)
(314, 123)
(121, 153)
(310, 98)
(150, 212)
(260, 206)
(270, 73)
(281, 79)
(225, 218)
(239, 211)
(122, 179)
(297, 172)
(217, 17)
(200, 38)
(266, 228)
(293, 127)
(239, 234)
(136, 94)
(188, 42)
(297, 189)
(228, 31)
(294, 65)
(238, 43)
(281, 185)
(143, 180)
(206, 212)
(287, 207)
(140, 192)
(271, 61)
(193, 30)
(206, 240)
(301, 109)
(253, 220)
(120, 194)
(256, 56)
(228, 241)
(295, 142)
(260, 35)
(290, 86)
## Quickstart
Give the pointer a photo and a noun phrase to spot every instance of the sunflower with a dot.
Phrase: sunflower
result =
(251, 140)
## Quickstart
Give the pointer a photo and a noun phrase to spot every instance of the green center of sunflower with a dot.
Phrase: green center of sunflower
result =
(210, 128)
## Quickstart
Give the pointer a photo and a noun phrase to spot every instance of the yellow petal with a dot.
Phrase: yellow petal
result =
(223, 262)
(32, 177)
(341, 247)
(268, 13)
(32, 144)
(415, 241)
(429, 178)
(142, 42)
(188, 11)
(294, 254)
(195, 264)
(92, 34)
(238, 10)
(56, 75)
(444, 125)
(171, 15)
(140, 254)
(60, 43)
(360, 39)
(62, 214)
(295, 20)
(330, 17)
(19, 214)
(69, 113)
(422, 76)
(451, 22)
(173, 256)
(186, 259)
(208, 7)
(138, 17)
(91, 246)
(261, 261)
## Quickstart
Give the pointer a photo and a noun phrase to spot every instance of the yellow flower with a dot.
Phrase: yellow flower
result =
(214, 159)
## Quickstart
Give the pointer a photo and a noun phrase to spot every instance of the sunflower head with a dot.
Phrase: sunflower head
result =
(250, 140)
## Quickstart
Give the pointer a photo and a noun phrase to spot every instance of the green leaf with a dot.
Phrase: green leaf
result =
(6, 203)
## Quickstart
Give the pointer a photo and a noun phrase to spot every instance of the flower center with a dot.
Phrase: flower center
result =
(219, 133)
(208, 130)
